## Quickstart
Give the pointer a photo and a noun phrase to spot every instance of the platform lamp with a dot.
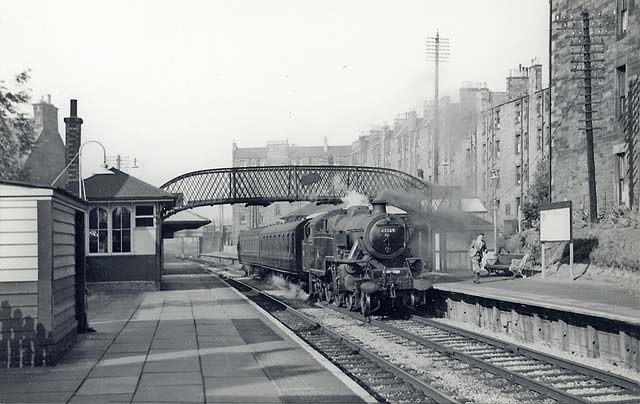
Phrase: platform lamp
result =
(494, 181)
(103, 169)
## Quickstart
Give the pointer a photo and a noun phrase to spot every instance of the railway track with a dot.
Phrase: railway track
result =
(553, 377)
(527, 375)
(382, 379)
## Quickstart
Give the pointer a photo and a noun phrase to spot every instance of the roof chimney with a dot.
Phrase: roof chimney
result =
(72, 148)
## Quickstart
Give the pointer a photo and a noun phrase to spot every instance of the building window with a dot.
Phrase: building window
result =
(497, 149)
(621, 89)
(144, 216)
(497, 180)
(507, 209)
(623, 17)
(518, 144)
(497, 119)
(120, 230)
(622, 190)
(539, 105)
(98, 222)
(518, 175)
(262, 219)
(539, 140)
(243, 218)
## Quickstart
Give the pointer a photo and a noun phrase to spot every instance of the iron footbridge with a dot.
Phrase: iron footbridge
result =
(264, 185)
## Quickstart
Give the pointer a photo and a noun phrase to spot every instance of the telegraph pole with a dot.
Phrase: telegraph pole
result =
(587, 68)
(588, 117)
(437, 51)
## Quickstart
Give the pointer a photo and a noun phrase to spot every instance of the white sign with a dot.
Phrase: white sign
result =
(555, 222)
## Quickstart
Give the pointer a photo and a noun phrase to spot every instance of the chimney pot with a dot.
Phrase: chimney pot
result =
(379, 206)
(74, 108)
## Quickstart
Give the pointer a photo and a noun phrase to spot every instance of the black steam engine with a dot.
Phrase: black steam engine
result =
(355, 257)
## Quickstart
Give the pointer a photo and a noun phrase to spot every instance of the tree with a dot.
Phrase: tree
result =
(538, 194)
(16, 130)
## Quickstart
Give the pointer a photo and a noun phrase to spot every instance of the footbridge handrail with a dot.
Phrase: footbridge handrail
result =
(263, 185)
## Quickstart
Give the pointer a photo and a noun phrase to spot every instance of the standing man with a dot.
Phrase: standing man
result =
(476, 252)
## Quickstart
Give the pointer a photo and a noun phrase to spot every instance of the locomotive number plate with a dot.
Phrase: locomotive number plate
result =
(388, 230)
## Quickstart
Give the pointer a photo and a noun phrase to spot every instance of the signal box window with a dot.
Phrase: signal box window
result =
(98, 222)
(120, 230)
(144, 216)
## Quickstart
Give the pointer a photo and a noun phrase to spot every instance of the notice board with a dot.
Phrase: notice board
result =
(555, 222)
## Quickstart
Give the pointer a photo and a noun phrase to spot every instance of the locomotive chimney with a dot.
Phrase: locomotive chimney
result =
(379, 206)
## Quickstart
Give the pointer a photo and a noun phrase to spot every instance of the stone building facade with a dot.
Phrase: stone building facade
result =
(621, 20)
(509, 140)
(273, 154)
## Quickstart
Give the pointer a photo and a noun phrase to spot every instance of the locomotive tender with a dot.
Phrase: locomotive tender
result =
(353, 257)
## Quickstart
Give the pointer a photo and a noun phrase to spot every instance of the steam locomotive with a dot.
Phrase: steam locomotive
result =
(352, 257)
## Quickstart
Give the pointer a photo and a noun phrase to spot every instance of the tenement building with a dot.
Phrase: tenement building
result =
(614, 154)
(273, 154)
(507, 144)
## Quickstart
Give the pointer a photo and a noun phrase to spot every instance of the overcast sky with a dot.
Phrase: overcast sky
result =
(174, 83)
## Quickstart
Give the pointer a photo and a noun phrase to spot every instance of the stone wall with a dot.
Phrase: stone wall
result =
(570, 156)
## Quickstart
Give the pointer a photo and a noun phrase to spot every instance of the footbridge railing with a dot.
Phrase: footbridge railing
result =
(266, 184)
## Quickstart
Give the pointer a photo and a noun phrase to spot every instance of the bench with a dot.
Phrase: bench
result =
(506, 264)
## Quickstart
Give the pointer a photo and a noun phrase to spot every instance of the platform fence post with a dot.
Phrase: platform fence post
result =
(543, 261)
(571, 260)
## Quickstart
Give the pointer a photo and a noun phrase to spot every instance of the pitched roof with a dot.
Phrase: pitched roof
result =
(120, 185)
(184, 220)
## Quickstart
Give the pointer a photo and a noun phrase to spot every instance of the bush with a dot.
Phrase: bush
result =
(613, 242)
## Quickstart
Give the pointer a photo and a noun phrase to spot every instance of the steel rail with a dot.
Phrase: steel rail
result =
(608, 377)
(427, 389)
(540, 387)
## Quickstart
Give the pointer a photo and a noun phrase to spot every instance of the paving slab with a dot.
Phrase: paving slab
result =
(240, 390)
(108, 385)
(102, 398)
(48, 397)
(171, 379)
(170, 394)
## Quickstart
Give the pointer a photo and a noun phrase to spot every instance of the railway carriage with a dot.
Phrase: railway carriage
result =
(354, 257)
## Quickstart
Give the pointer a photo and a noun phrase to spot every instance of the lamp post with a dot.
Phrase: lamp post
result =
(445, 171)
(104, 169)
(494, 181)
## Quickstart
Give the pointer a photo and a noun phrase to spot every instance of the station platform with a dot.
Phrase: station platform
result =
(587, 298)
(195, 341)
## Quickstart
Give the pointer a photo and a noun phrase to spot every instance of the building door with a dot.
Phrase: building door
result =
(80, 275)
